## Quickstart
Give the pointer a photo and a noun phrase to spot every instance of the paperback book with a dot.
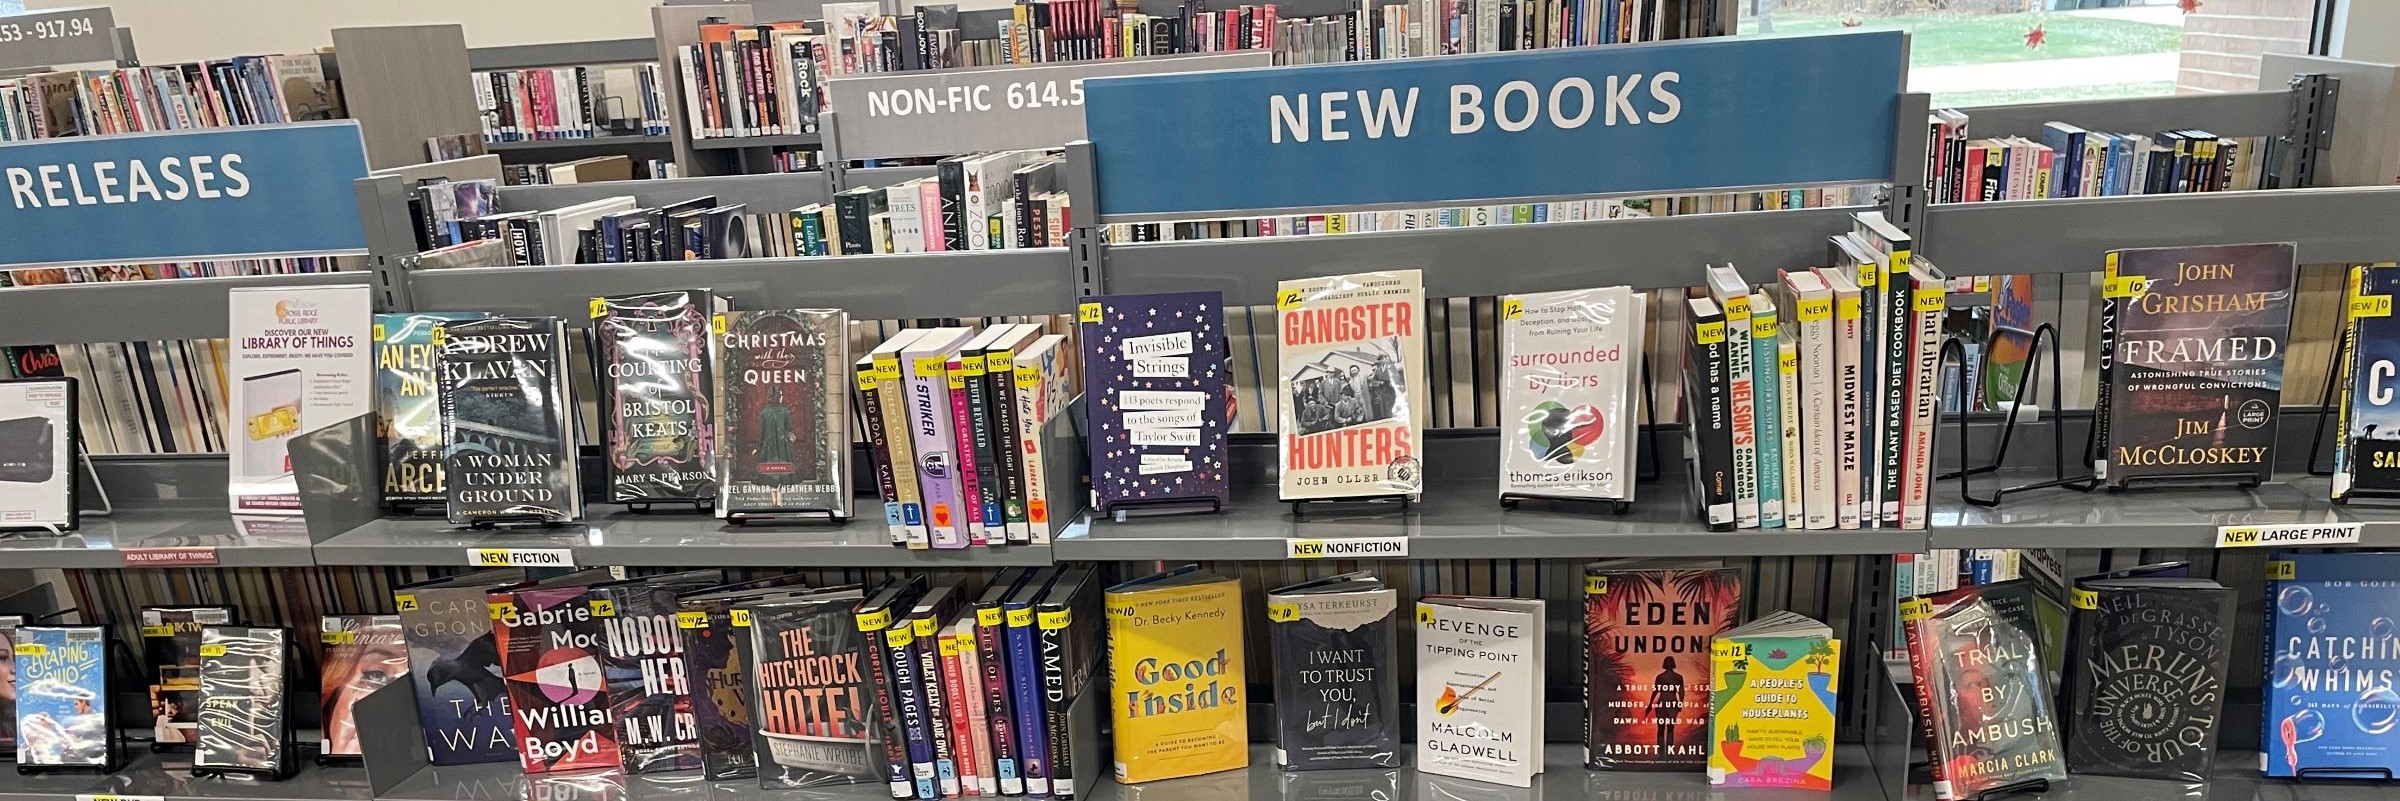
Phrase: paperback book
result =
(1988, 717)
(242, 725)
(39, 477)
(2147, 679)
(1569, 373)
(1772, 703)
(786, 443)
(2329, 659)
(649, 688)
(408, 415)
(1647, 635)
(1479, 688)
(2366, 455)
(1159, 407)
(62, 697)
(2191, 361)
(1175, 658)
(1336, 642)
(811, 715)
(657, 364)
(550, 645)
(1352, 384)
(462, 701)
(508, 444)
(300, 361)
(361, 654)
(171, 647)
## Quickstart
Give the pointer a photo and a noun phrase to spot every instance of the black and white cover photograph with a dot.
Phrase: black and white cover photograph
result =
(1349, 386)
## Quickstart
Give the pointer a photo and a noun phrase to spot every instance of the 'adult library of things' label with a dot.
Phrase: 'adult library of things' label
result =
(1348, 548)
(1008, 108)
(521, 557)
(58, 38)
(159, 557)
(2284, 535)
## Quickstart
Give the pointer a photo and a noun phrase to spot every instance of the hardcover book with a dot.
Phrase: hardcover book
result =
(1741, 388)
(38, 473)
(657, 364)
(1646, 674)
(550, 645)
(62, 697)
(1771, 704)
(2191, 361)
(786, 443)
(1569, 373)
(408, 415)
(925, 369)
(649, 689)
(2147, 679)
(904, 508)
(1175, 659)
(874, 618)
(1158, 409)
(241, 701)
(1982, 688)
(1352, 381)
(171, 646)
(508, 444)
(1708, 405)
(811, 716)
(462, 702)
(716, 656)
(2366, 455)
(2329, 658)
(1479, 688)
(1336, 643)
(362, 653)
(300, 360)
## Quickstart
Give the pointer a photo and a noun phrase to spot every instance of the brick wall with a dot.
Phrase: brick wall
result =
(2223, 39)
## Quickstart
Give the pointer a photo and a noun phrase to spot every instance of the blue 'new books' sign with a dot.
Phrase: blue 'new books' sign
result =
(249, 192)
(1581, 121)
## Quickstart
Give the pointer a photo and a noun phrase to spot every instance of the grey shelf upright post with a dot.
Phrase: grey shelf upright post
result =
(829, 131)
(1087, 245)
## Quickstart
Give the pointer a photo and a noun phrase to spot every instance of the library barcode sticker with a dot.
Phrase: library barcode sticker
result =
(2288, 535)
(1349, 548)
(521, 557)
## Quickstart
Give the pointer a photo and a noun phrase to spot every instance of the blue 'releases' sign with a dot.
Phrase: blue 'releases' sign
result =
(1612, 119)
(254, 191)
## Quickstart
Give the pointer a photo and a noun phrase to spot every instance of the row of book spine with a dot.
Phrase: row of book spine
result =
(2070, 161)
(245, 90)
(1370, 32)
(751, 80)
(580, 102)
(1482, 215)
(1850, 375)
(955, 423)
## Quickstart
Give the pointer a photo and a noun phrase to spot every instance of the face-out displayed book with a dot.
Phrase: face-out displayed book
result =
(1772, 702)
(658, 366)
(1351, 382)
(2366, 454)
(301, 358)
(809, 715)
(1647, 674)
(1983, 689)
(551, 643)
(63, 698)
(38, 436)
(361, 654)
(8, 705)
(2328, 707)
(2191, 362)
(649, 693)
(716, 656)
(454, 665)
(242, 721)
(171, 647)
(2147, 679)
(408, 415)
(1570, 377)
(1479, 688)
(1157, 369)
(508, 443)
(1175, 659)
(1336, 643)
(786, 440)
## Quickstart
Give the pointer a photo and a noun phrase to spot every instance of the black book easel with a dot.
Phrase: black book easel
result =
(699, 505)
(1510, 500)
(1162, 507)
(1357, 504)
(2027, 787)
(514, 521)
(287, 758)
(115, 658)
(1954, 352)
(786, 517)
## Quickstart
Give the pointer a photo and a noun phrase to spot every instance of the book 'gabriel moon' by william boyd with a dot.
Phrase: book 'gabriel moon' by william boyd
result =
(2191, 361)
(780, 396)
(1352, 385)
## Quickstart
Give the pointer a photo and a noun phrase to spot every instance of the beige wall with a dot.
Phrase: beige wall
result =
(167, 31)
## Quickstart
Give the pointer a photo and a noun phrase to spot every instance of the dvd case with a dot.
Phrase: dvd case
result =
(362, 653)
(243, 728)
(63, 699)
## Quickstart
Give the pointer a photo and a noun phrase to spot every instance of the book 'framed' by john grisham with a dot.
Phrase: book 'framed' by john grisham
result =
(408, 415)
(39, 478)
(508, 446)
(2191, 362)
(1352, 385)
(1569, 371)
(2366, 454)
(1157, 368)
(657, 362)
(781, 398)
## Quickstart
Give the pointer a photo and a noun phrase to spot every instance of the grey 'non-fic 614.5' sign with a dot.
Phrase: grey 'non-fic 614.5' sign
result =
(58, 37)
(1004, 108)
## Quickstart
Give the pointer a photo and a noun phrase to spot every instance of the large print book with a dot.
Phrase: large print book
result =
(1646, 671)
(408, 415)
(649, 689)
(1570, 368)
(1772, 704)
(1352, 381)
(2366, 454)
(362, 653)
(2330, 659)
(657, 365)
(63, 697)
(1157, 370)
(39, 477)
(1479, 688)
(242, 718)
(1983, 692)
(782, 398)
(300, 359)
(508, 440)
(811, 716)
(1337, 692)
(1176, 669)
(171, 647)
(550, 645)
(2191, 361)
(462, 702)
(2147, 677)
